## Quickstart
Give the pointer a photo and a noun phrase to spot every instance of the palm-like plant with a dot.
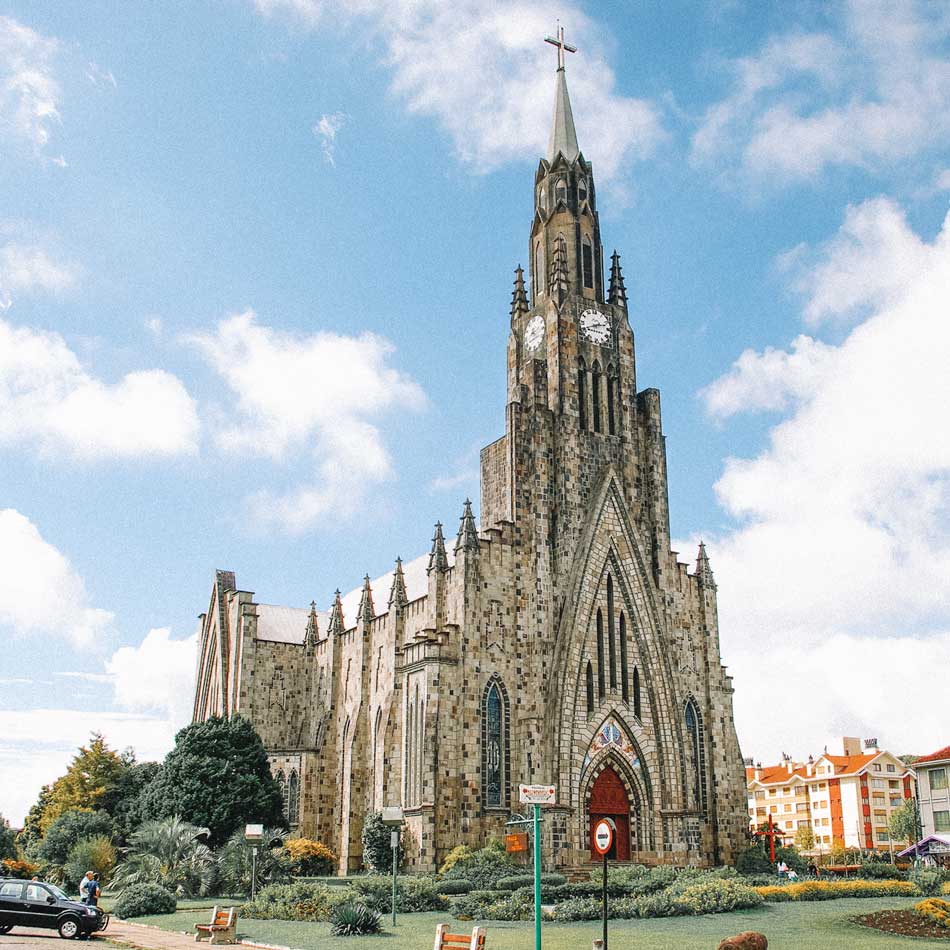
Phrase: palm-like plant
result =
(235, 862)
(169, 852)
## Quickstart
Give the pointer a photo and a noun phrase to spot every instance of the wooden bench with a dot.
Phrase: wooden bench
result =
(446, 941)
(221, 929)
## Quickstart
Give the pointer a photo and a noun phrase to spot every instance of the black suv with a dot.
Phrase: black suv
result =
(38, 904)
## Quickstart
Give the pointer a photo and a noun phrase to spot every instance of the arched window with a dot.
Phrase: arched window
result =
(595, 394)
(581, 188)
(590, 688)
(420, 745)
(538, 269)
(560, 190)
(587, 253)
(293, 799)
(543, 199)
(611, 642)
(601, 682)
(696, 752)
(636, 694)
(582, 394)
(409, 747)
(624, 673)
(494, 746)
(281, 780)
(611, 386)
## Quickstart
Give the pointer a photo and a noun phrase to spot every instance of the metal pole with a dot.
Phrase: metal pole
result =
(253, 870)
(394, 841)
(605, 900)
(537, 877)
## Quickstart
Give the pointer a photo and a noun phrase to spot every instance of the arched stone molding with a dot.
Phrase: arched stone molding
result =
(642, 819)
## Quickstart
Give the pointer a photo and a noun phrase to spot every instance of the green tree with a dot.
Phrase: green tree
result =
(89, 782)
(31, 834)
(67, 830)
(235, 862)
(217, 776)
(168, 852)
(127, 806)
(804, 838)
(904, 822)
(7, 840)
(89, 854)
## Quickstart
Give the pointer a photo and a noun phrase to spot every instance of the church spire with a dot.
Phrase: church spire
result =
(617, 293)
(313, 627)
(336, 614)
(703, 570)
(519, 298)
(366, 610)
(467, 539)
(438, 559)
(563, 137)
(398, 597)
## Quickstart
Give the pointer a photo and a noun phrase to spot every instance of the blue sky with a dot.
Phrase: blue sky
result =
(255, 266)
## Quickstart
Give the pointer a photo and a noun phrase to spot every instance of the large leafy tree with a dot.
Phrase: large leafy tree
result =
(90, 781)
(7, 840)
(904, 821)
(31, 834)
(70, 828)
(217, 776)
(127, 806)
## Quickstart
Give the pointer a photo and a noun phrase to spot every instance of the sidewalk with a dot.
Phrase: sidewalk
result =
(143, 937)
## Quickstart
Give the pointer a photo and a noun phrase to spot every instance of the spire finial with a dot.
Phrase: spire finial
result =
(336, 614)
(560, 44)
(519, 296)
(703, 570)
(438, 559)
(617, 294)
(366, 610)
(398, 597)
(313, 628)
(467, 539)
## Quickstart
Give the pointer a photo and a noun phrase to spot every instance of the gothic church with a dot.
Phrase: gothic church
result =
(560, 642)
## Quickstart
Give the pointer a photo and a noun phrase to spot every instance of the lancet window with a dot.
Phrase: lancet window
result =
(281, 780)
(560, 190)
(293, 799)
(590, 688)
(538, 269)
(636, 694)
(601, 679)
(595, 394)
(611, 640)
(495, 746)
(611, 396)
(624, 672)
(587, 253)
(696, 753)
(582, 394)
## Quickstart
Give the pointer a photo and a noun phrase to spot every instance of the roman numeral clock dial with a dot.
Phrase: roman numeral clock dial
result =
(596, 327)
(534, 332)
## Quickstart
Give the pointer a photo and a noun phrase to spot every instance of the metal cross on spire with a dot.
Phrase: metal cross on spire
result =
(560, 44)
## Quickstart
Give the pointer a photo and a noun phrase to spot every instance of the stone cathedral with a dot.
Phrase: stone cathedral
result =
(560, 642)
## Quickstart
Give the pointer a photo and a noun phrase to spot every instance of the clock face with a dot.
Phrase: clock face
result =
(534, 332)
(596, 327)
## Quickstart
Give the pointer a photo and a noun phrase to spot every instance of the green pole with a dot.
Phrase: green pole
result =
(537, 877)
(394, 843)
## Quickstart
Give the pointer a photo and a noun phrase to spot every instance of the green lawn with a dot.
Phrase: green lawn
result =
(791, 926)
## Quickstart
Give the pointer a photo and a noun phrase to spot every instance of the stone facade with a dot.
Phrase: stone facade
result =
(562, 642)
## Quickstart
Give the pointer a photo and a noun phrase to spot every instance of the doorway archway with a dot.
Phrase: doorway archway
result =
(609, 799)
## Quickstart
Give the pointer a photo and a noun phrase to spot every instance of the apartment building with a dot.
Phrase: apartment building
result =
(933, 792)
(848, 797)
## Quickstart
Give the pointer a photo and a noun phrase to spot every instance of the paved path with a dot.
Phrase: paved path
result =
(120, 932)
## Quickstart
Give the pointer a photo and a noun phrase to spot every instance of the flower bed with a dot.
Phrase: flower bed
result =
(831, 890)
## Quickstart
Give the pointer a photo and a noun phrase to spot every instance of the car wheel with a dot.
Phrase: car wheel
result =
(68, 928)
(5, 928)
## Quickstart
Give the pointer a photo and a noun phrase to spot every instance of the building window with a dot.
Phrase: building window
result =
(538, 269)
(636, 697)
(582, 394)
(624, 672)
(941, 821)
(595, 394)
(611, 642)
(891, 768)
(581, 188)
(611, 424)
(590, 687)
(543, 199)
(281, 780)
(495, 745)
(293, 798)
(696, 747)
(601, 681)
(560, 190)
(587, 253)
(938, 779)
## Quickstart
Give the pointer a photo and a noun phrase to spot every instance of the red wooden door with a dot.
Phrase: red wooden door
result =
(608, 799)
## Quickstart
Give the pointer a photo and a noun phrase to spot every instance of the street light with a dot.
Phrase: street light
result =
(253, 834)
(392, 816)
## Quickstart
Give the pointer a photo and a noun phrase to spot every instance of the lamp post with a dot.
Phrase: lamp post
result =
(392, 816)
(253, 835)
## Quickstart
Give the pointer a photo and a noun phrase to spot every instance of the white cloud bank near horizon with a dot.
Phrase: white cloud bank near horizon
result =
(834, 604)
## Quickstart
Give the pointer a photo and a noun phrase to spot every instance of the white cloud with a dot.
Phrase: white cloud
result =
(870, 96)
(440, 53)
(47, 400)
(29, 92)
(40, 592)
(322, 392)
(29, 268)
(942, 181)
(837, 571)
(326, 130)
(97, 75)
(157, 675)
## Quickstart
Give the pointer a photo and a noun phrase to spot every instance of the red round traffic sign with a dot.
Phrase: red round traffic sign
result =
(604, 835)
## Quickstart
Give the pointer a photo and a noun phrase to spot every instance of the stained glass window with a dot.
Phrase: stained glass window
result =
(293, 799)
(494, 747)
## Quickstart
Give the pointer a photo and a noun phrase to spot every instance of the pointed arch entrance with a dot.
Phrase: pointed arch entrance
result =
(609, 799)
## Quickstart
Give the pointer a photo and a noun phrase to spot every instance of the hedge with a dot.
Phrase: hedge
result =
(831, 890)
(140, 900)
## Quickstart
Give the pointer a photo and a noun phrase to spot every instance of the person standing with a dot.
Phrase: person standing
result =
(95, 890)
(84, 885)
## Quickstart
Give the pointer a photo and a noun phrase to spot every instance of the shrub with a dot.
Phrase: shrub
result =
(452, 887)
(235, 863)
(754, 860)
(881, 871)
(562, 892)
(717, 897)
(475, 904)
(138, 900)
(579, 908)
(96, 854)
(454, 856)
(928, 880)
(513, 881)
(353, 919)
(297, 901)
(13, 867)
(935, 910)
(831, 890)
(483, 867)
(309, 857)
(413, 894)
(377, 849)
(659, 904)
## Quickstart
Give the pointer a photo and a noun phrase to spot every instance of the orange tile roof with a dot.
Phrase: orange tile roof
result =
(775, 774)
(850, 764)
(843, 764)
(943, 753)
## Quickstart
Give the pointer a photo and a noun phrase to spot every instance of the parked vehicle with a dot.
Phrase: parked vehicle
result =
(38, 904)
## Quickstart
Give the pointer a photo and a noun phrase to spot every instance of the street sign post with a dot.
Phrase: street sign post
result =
(604, 833)
(536, 796)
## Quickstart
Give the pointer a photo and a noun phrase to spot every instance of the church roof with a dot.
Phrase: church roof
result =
(563, 134)
(285, 624)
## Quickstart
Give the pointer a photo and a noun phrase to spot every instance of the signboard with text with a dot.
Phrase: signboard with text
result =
(537, 794)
